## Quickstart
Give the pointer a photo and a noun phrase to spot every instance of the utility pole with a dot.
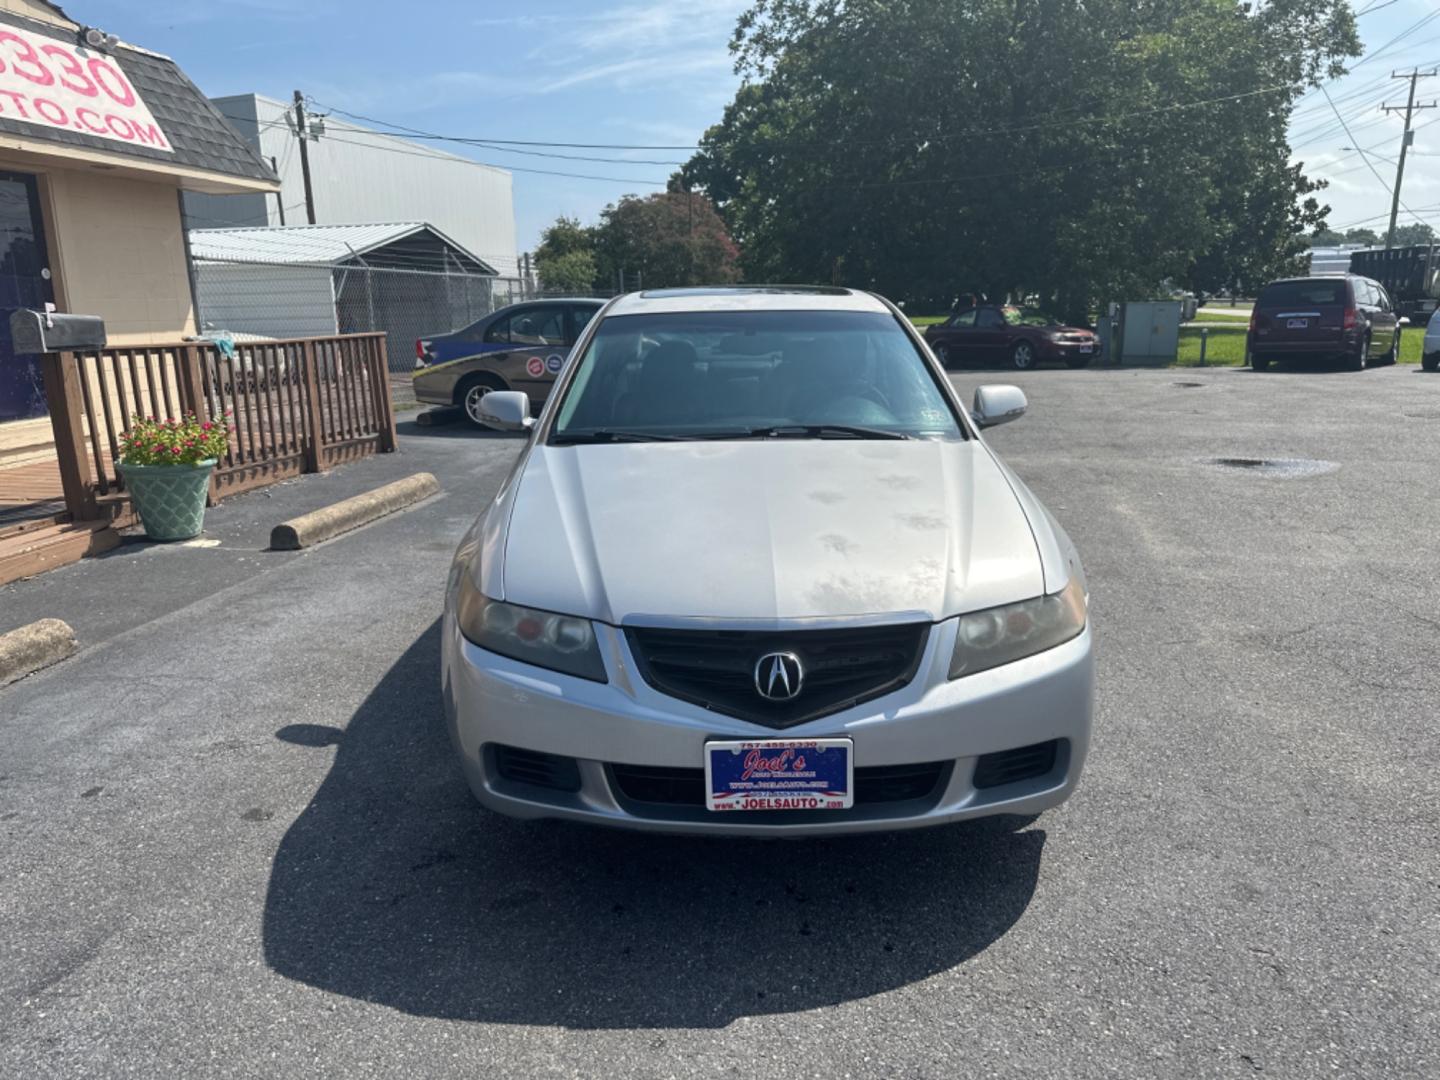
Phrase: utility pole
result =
(304, 134)
(1405, 141)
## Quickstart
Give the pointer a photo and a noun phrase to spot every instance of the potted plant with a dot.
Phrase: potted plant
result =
(166, 465)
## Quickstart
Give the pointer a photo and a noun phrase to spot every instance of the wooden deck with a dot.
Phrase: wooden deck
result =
(30, 492)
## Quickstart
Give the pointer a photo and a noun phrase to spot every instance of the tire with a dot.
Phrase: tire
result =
(1356, 362)
(945, 356)
(1393, 357)
(1431, 362)
(1259, 363)
(1022, 357)
(469, 393)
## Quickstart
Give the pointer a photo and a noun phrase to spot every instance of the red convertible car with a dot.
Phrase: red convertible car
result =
(995, 334)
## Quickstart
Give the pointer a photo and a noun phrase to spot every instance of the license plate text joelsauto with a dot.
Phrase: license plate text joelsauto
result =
(779, 774)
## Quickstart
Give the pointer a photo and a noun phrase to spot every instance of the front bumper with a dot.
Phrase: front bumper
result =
(1067, 351)
(493, 702)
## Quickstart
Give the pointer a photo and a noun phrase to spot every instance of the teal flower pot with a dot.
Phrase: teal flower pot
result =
(169, 498)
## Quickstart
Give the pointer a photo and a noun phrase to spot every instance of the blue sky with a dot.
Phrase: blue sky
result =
(634, 72)
(650, 72)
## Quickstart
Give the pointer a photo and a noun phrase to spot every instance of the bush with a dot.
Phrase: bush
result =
(173, 442)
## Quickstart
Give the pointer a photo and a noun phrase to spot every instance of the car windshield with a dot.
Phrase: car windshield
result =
(752, 374)
(1027, 317)
(1301, 294)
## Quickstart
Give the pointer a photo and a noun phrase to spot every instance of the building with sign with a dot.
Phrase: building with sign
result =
(364, 177)
(98, 139)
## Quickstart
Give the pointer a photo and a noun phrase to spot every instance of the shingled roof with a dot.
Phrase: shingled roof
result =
(199, 136)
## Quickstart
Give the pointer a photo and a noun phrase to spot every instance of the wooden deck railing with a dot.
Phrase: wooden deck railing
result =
(297, 406)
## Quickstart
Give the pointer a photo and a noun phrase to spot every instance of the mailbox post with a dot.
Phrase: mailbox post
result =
(53, 334)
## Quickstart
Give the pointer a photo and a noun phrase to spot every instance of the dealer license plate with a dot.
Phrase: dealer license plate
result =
(1087, 348)
(780, 774)
(1297, 324)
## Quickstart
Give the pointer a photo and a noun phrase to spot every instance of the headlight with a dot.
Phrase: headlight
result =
(987, 639)
(558, 642)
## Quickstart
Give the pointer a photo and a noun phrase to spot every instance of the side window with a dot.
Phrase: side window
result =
(474, 332)
(1364, 294)
(499, 332)
(538, 326)
(990, 319)
(1382, 298)
(579, 318)
(966, 319)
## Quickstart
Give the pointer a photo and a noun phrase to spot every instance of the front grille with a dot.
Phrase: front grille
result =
(553, 771)
(686, 787)
(1012, 766)
(716, 668)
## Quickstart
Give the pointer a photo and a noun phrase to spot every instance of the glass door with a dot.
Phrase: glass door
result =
(25, 282)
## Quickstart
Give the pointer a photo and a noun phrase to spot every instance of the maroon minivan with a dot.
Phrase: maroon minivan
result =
(1350, 318)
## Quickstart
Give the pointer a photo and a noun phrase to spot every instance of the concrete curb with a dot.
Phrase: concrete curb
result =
(328, 521)
(30, 648)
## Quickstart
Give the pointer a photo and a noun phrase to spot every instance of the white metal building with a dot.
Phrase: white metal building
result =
(362, 177)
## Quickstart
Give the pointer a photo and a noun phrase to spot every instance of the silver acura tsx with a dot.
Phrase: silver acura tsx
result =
(757, 572)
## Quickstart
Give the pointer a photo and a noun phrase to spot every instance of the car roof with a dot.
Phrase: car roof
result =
(747, 298)
(547, 301)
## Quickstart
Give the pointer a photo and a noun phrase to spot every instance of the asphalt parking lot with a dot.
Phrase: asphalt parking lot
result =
(233, 843)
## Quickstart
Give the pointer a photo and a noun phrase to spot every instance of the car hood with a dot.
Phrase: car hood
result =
(767, 530)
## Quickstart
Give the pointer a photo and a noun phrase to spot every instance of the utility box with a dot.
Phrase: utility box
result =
(1150, 332)
(53, 331)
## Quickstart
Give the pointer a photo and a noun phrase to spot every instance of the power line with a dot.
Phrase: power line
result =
(422, 152)
(1367, 159)
(283, 121)
(967, 133)
(1373, 53)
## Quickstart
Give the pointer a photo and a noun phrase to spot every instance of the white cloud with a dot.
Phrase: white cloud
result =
(634, 45)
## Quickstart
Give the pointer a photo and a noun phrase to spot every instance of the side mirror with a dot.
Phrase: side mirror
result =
(993, 405)
(1404, 320)
(508, 410)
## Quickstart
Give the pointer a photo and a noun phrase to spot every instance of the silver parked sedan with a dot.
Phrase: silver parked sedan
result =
(757, 572)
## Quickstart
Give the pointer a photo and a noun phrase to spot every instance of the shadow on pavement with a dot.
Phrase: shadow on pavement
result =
(394, 887)
(457, 428)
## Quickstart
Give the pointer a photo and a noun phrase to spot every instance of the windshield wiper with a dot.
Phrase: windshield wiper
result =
(606, 435)
(815, 431)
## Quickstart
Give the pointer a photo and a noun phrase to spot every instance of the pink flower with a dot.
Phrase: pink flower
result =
(175, 449)
(206, 426)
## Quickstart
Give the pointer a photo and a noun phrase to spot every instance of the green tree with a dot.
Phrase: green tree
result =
(1362, 236)
(669, 238)
(1325, 238)
(573, 272)
(1020, 147)
(1417, 233)
(565, 258)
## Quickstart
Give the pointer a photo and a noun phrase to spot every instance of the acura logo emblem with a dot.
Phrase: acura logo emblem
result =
(778, 676)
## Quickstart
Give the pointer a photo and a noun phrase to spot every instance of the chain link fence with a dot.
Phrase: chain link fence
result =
(272, 300)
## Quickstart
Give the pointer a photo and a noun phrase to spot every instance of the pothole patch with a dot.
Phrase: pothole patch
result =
(1189, 385)
(1275, 468)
